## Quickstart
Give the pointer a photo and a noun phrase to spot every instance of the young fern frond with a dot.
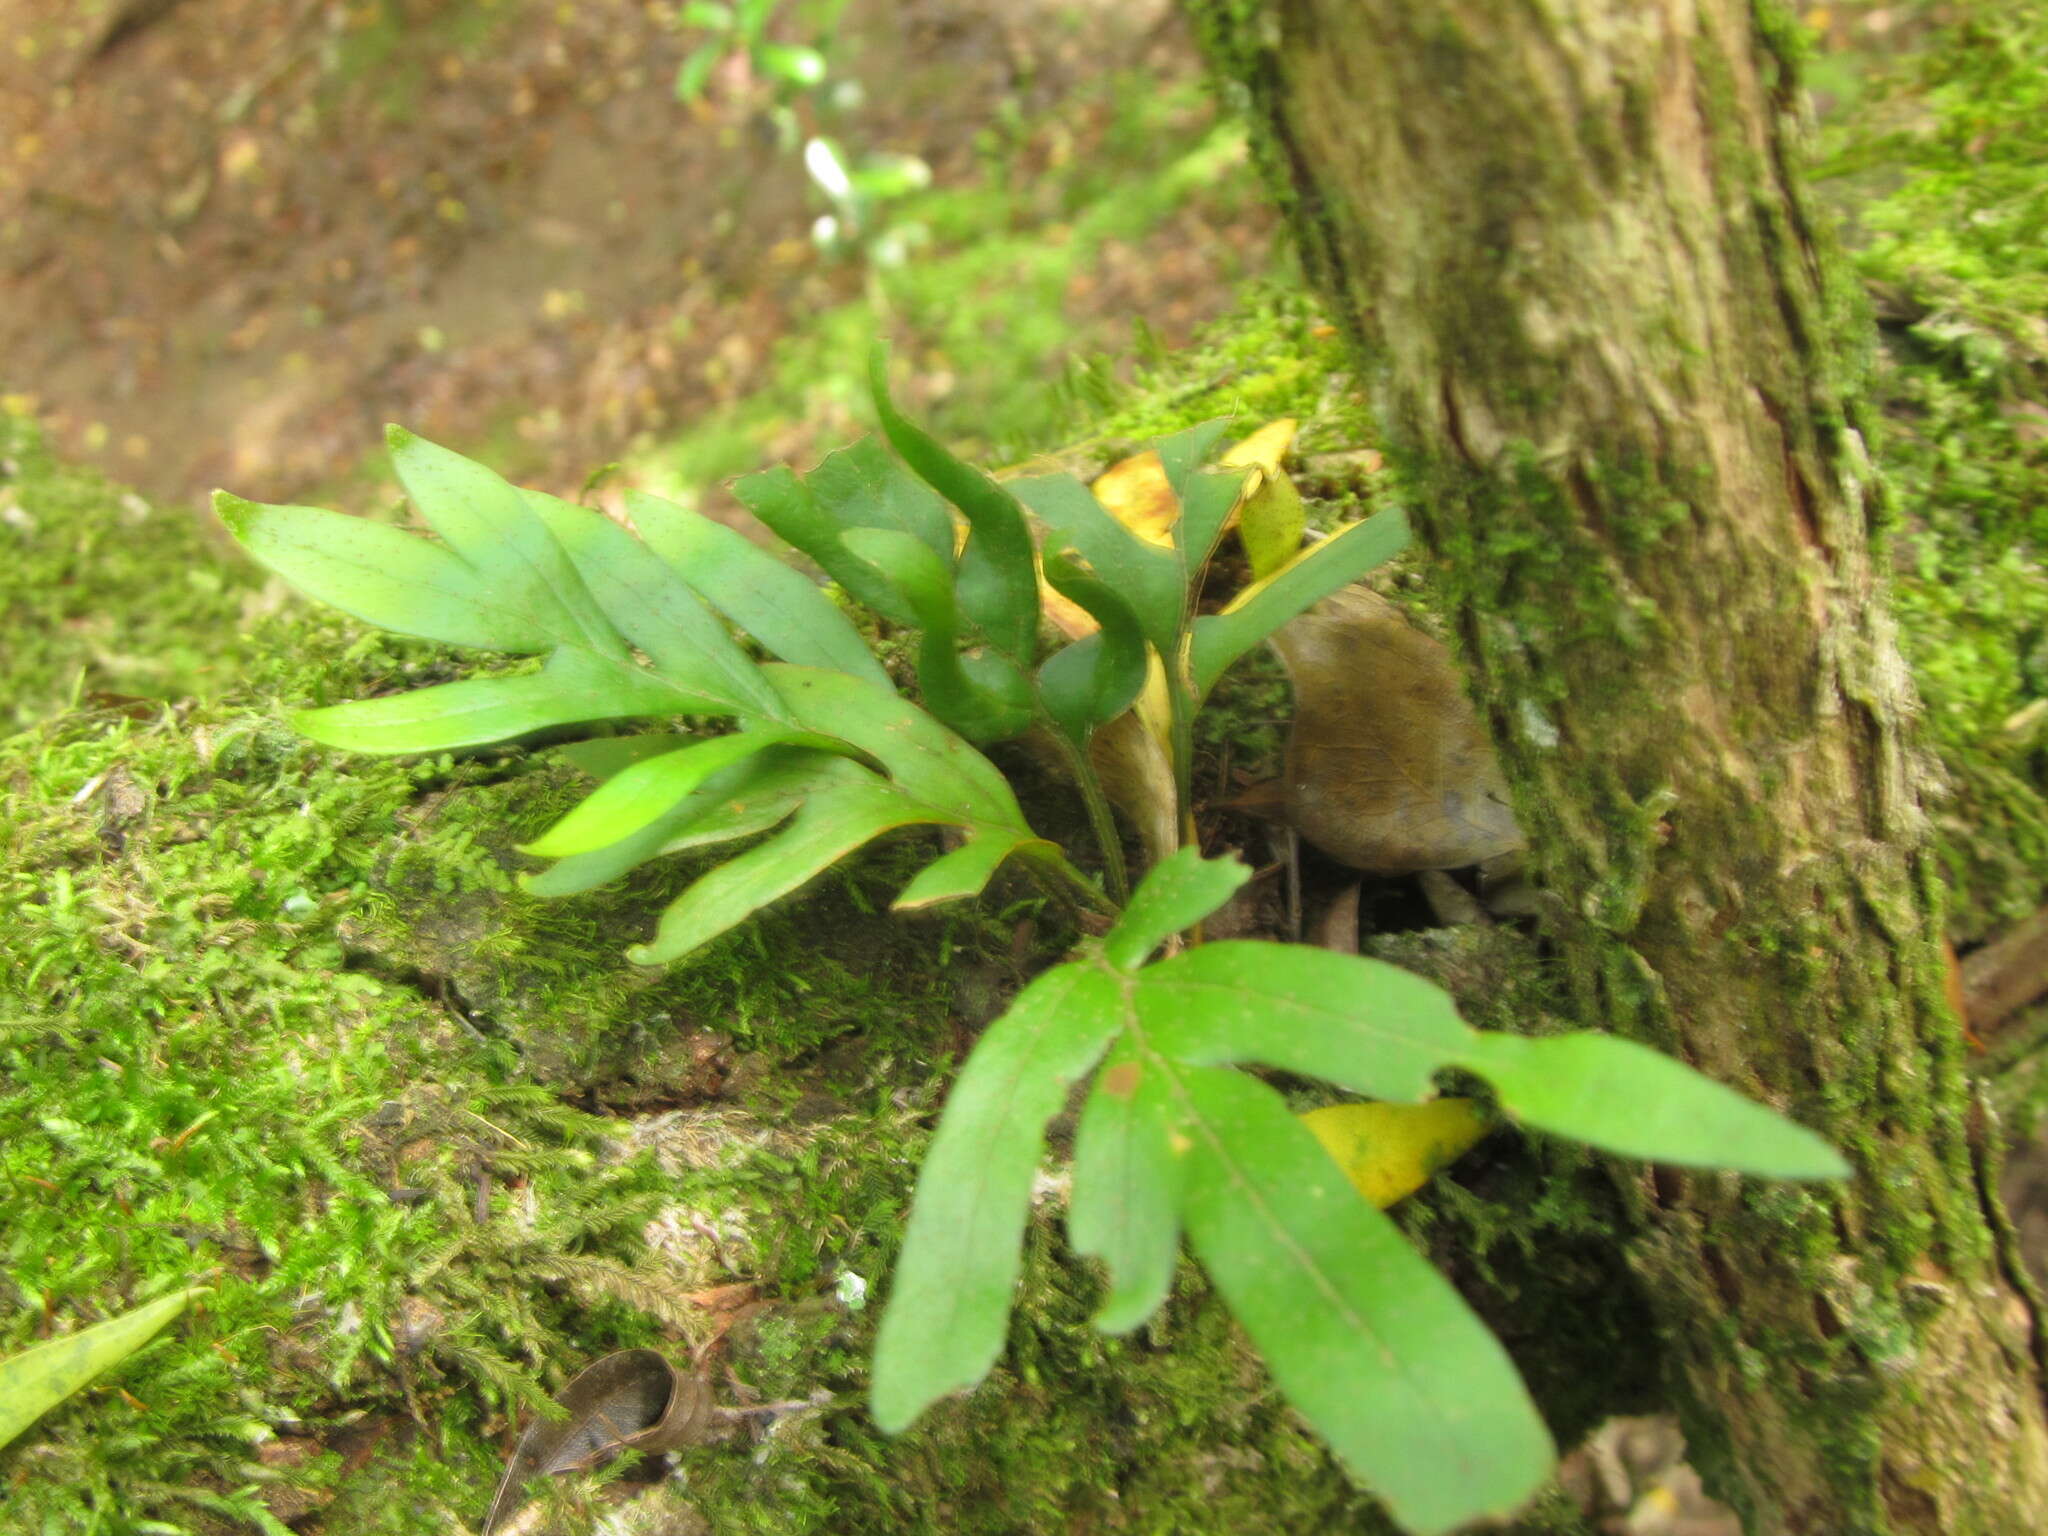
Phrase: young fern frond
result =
(527, 574)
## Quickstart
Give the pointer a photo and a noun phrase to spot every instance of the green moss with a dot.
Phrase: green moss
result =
(1934, 172)
(199, 1089)
(104, 594)
(1176, 1429)
(1938, 168)
(1274, 355)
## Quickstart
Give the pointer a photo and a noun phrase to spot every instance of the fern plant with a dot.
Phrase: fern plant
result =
(823, 755)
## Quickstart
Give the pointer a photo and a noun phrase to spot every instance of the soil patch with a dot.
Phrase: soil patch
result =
(239, 235)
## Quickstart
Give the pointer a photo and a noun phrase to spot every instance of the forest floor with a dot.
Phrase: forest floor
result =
(238, 235)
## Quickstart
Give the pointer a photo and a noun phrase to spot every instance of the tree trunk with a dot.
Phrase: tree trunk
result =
(1623, 379)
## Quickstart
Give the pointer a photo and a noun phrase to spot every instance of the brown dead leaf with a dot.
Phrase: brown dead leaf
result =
(725, 1298)
(635, 1399)
(1387, 767)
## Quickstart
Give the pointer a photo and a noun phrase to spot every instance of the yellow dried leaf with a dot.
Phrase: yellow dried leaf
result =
(1265, 448)
(1270, 522)
(1391, 1150)
(1137, 494)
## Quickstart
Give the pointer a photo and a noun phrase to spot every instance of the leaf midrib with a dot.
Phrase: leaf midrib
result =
(1128, 984)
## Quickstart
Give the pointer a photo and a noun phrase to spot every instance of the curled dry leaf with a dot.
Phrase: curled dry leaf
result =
(635, 1400)
(1387, 767)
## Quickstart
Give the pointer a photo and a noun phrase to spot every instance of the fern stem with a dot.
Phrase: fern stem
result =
(1101, 820)
(1182, 716)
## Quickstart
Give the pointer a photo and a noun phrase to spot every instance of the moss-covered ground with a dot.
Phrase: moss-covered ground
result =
(279, 1022)
(104, 595)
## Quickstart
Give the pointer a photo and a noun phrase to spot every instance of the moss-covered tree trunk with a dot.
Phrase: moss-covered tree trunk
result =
(1570, 247)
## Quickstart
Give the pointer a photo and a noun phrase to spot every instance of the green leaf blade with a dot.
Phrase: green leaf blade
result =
(653, 607)
(574, 687)
(828, 828)
(694, 73)
(1127, 1187)
(949, 1300)
(709, 14)
(1181, 890)
(745, 799)
(919, 754)
(1147, 577)
(39, 1378)
(1221, 638)
(1626, 1098)
(998, 571)
(645, 791)
(1371, 1345)
(395, 580)
(603, 756)
(791, 63)
(488, 523)
(965, 871)
(778, 606)
(1362, 1024)
(1206, 502)
(1182, 454)
(1097, 678)
(984, 698)
(862, 486)
(792, 510)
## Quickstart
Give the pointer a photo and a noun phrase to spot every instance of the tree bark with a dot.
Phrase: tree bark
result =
(1623, 378)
